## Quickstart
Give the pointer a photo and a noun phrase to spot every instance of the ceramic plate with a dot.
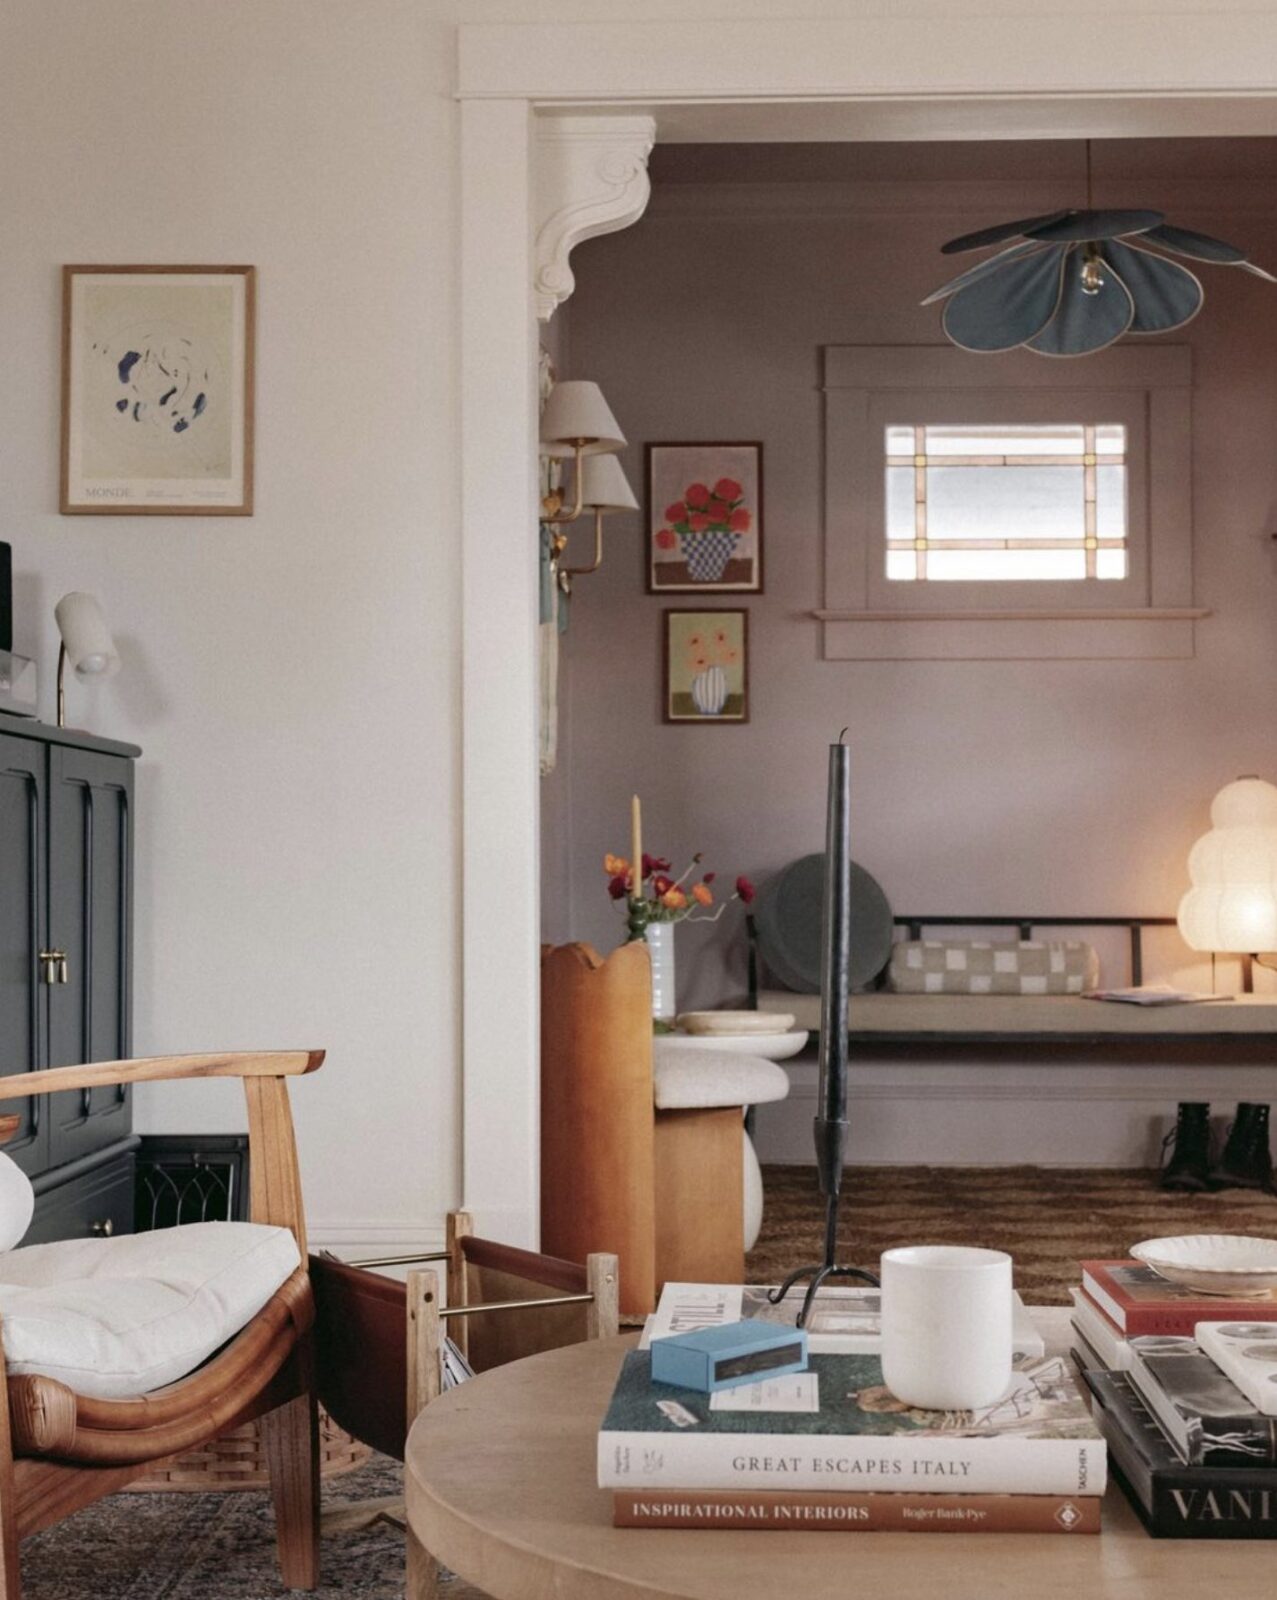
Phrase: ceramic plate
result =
(788, 913)
(768, 1046)
(1213, 1263)
(737, 1022)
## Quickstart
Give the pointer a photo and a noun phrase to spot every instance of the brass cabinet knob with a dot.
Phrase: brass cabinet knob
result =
(54, 964)
(103, 1229)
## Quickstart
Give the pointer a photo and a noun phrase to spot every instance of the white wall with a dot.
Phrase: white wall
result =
(292, 677)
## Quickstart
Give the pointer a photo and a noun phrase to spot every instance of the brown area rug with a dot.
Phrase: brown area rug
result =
(1048, 1218)
(222, 1547)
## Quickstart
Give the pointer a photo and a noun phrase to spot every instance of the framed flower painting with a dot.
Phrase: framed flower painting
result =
(706, 666)
(704, 518)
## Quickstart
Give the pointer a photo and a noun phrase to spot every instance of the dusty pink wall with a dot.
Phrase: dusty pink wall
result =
(1051, 787)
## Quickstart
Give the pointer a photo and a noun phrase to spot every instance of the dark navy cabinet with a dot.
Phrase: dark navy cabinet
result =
(66, 945)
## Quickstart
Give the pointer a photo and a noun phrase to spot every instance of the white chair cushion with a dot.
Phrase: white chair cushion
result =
(17, 1202)
(118, 1317)
(683, 1079)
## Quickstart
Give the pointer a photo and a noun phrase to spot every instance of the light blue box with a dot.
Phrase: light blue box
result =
(728, 1355)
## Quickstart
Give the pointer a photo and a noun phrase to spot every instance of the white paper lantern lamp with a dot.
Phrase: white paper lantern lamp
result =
(1231, 907)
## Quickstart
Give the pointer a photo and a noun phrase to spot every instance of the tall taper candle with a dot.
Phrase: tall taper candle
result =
(636, 849)
(835, 973)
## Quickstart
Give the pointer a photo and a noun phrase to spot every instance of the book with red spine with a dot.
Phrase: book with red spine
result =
(874, 1512)
(1137, 1301)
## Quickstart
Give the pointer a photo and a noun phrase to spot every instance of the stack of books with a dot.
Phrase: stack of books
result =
(1196, 1456)
(832, 1448)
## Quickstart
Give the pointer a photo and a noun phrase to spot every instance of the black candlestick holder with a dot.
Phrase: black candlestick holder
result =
(831, 1135)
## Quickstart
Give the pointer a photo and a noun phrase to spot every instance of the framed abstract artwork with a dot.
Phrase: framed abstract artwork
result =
(704, 518)
(706, 666)
(157, 390)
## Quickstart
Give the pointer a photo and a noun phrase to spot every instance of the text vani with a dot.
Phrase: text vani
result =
(1232, 1505)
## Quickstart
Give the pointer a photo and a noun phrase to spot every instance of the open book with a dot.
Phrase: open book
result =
(844, 1321)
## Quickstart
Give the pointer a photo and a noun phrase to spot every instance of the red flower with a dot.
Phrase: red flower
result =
(745, 889)
(662, 884)
(698, 522)
(696, 494)
(665, 539)
(727, 489)
(675, 512)
(710, 876)
(618, 887)
(719, 510)
(740, 520)
(653, 864)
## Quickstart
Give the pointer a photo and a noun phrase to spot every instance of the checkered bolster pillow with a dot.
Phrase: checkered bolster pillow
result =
(981, 966)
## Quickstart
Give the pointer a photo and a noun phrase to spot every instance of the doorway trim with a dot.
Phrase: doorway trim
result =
(944, 76)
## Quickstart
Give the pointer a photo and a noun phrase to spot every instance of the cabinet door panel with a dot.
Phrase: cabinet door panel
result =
(90, 917)
(23, 996)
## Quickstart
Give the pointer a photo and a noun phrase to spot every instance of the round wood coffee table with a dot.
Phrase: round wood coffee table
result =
(500, 1484)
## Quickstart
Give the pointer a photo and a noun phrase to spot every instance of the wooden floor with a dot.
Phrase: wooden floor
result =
(1047, 1217)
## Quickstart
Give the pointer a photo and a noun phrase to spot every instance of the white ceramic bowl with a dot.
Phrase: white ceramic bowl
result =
(1213, 1263)
(736, 1022)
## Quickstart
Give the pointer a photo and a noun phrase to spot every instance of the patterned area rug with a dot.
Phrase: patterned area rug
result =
(222, 1547)
(1046, 1217)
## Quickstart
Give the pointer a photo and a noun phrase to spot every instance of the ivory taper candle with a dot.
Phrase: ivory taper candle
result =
(636, 849)
(835, 974)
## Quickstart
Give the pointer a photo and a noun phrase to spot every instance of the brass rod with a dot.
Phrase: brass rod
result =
(517, 1305)
(580, 572)
(578, 488)
(395, 1261)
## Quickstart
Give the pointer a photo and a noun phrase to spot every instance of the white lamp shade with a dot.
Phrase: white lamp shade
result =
(89, 646)
(576, 410)
(1232, 905)
(604, 486)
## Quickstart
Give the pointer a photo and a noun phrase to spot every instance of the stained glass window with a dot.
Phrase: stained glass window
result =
(980, 502)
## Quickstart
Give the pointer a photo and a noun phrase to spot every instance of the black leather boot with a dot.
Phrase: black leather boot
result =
(1187, 1168)
(1247, 1160)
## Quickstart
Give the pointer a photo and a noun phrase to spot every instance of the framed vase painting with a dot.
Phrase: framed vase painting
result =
(157, 391)
(706, 666)
(704, 518)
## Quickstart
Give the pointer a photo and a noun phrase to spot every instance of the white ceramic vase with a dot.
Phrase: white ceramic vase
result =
(709, 691)
(946, 1326)
(660, 947)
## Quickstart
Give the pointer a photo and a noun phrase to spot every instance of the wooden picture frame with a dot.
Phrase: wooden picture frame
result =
(709, 681)
(724, 554)
(157, 391)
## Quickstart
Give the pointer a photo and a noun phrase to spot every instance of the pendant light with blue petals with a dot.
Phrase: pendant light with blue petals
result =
(1074, 282)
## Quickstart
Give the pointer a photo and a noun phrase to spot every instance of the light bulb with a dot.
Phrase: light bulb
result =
(1092, 274)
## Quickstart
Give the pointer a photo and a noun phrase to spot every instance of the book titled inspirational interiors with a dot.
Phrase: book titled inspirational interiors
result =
(844, 1430)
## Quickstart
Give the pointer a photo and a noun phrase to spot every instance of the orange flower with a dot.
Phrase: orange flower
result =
(674, 899)
(703, 895)
(615, 866)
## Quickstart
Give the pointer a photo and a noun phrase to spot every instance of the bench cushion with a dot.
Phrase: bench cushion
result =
(119, 1317)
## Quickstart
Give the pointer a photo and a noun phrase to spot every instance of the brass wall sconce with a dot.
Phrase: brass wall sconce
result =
(604, 487)
(578, 423)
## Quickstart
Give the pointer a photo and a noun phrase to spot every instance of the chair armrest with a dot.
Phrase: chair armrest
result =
(151, 1069)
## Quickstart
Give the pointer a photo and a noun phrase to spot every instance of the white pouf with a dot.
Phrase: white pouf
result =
(683, 1079)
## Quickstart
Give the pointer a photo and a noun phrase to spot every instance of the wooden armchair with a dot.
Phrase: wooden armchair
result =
(379, 1342)
(60, 1450)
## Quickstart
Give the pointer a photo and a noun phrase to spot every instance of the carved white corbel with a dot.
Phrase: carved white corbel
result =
(591, 178)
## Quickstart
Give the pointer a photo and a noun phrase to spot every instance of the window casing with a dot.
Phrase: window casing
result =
(1089, 565)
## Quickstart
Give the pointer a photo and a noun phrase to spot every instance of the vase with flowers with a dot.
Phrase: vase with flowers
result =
(707, 524)
(655, 903)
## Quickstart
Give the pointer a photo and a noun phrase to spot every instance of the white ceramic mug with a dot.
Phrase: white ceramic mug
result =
(946, 1326)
